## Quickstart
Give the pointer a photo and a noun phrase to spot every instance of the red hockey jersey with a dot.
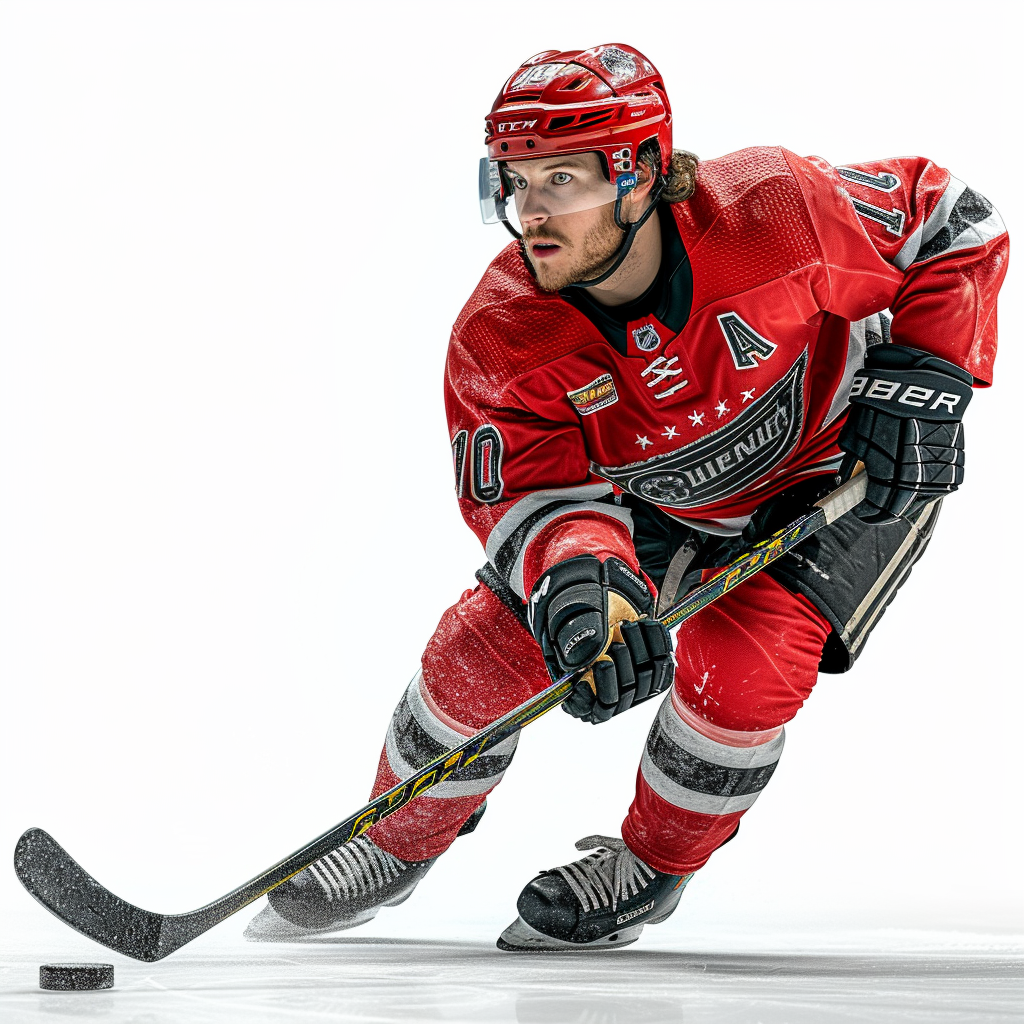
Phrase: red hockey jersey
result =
(791, 258)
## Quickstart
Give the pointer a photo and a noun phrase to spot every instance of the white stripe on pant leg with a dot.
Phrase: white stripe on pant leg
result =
(689, 799)
(443, 790)
(441, 731)
(719, 773)
(739, 754)
(446, 737)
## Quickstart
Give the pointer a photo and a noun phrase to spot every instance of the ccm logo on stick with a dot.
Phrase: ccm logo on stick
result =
(903, 393)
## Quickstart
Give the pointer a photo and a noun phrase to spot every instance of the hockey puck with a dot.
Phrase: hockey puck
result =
(72, 977)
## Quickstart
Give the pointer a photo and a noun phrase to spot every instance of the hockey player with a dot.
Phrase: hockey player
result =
(671, 360)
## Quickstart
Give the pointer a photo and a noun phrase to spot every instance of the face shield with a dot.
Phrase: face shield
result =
(528, 192)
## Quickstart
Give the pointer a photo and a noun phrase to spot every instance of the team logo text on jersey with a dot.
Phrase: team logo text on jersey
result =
(598, 394)
(727, 460)
(646, 337)
(745, 344)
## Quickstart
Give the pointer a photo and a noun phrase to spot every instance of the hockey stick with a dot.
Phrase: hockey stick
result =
(68, 892)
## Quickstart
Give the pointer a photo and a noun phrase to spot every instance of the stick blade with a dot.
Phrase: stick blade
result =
(60, 884)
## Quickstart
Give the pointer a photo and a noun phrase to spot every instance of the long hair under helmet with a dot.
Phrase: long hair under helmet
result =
(608, 100)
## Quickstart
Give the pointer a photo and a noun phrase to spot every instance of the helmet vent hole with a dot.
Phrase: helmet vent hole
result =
(576, 83)
(557, 124)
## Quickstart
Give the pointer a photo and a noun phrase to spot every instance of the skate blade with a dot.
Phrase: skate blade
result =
(269, 926)
(520, 937)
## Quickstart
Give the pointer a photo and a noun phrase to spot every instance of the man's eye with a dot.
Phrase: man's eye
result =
(519, 182)
(561, 178)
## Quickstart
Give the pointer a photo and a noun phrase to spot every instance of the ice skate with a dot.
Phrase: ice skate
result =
(598, 902)
(344, 889)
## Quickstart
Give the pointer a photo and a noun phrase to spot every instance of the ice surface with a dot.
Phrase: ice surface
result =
(787, 978)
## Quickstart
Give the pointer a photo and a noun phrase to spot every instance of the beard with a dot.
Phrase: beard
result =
(578, 261)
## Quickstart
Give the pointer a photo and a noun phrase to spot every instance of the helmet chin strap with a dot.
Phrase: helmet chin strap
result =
(630, 232)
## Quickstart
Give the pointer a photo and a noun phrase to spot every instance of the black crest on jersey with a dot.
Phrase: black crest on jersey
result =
(745, 344)
(726, 461)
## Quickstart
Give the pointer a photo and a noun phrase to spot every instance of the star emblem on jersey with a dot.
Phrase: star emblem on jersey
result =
(748, 396)
(696, 418)
(643, 442)
(662, 370)
(670, 432)
(721, 408)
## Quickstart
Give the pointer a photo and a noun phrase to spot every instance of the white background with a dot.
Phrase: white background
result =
(234, 237)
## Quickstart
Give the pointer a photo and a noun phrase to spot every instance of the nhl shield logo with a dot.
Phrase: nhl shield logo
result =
(646, 337)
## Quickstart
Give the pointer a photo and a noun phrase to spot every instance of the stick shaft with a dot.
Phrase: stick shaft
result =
(66, 890)
(447, 764)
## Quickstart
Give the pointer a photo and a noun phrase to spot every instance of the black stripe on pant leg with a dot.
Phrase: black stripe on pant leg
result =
(694, 773)
(417, 747)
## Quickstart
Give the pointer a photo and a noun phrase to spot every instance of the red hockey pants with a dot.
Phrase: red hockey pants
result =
(745, 665)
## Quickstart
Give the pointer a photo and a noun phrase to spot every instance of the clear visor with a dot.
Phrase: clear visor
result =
(536, 190)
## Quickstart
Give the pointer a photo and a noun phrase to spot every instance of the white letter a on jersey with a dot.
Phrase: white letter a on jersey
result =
(745, 344)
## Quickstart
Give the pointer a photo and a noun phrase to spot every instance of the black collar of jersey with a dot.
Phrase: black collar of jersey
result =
(669, 297)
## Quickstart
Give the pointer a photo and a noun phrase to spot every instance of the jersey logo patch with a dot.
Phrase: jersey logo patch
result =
(598, 394)
(727, 460)
(646, 337)
(745, 344)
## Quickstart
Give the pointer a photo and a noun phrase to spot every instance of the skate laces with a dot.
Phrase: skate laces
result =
(609, 874)
(353, 869)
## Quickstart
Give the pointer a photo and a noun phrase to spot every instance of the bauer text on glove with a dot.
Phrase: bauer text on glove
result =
(904, 424)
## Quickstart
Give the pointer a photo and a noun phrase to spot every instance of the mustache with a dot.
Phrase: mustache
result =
(546, 236)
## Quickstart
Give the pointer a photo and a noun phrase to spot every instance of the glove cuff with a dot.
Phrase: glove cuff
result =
(903, 357)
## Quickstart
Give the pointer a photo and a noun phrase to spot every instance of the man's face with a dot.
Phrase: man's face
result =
(565, 206)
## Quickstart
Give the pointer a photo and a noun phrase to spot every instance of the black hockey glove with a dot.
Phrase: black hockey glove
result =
(585, 612)
(904, 425)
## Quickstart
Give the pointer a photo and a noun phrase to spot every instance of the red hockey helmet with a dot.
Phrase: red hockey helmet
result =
(609, 99)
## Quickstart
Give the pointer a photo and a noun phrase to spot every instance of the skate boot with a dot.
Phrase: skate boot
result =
(343, 889)
(600, 901)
